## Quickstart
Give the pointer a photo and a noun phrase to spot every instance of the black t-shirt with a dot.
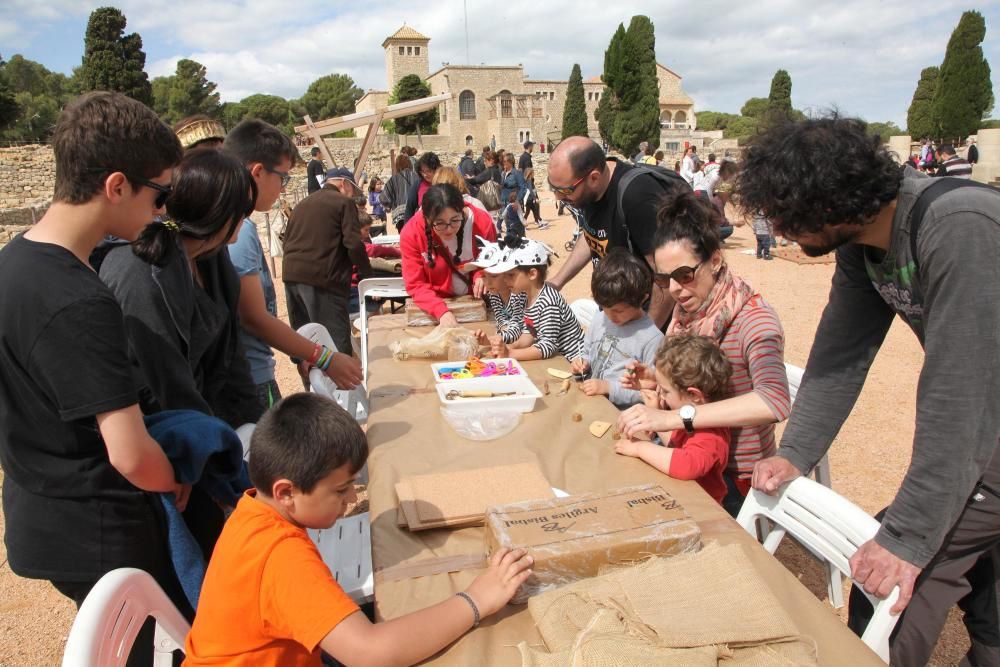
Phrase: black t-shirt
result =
(314, 169)
(63, 359)
(642, 200)
(524, 162)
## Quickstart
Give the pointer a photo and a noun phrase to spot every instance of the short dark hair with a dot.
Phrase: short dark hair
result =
(588, 159)
(621, 277)
(947, 149)
(212, 191)
(314, 151)
(429, 160)
(787, 175)
(683, 216)
(695, 361)
(104, 132)
(468, 152)
(711, 157)
(304, 438)
(254, 140)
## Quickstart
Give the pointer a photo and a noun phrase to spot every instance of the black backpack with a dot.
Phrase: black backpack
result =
(668, 178)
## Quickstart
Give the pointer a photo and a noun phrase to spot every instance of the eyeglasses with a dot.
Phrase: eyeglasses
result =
(682, 275)
(441, 226)
(567, 189)
(164, 190)
(286, 178)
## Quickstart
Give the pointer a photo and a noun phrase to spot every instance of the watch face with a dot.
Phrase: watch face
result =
(686, 412)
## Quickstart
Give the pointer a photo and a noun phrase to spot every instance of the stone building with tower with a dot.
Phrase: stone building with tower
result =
(501, 103)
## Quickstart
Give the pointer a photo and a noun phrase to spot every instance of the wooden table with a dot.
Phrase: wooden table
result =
(408, 436)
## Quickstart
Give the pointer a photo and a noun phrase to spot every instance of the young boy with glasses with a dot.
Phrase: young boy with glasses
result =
(80, 470)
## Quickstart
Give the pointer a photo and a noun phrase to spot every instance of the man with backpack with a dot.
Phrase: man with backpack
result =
(618, 205)
(924, 249)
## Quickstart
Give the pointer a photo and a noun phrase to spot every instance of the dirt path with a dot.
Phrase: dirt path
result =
(868, 459)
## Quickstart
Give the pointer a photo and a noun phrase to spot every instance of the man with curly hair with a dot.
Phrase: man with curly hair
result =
(939, 540)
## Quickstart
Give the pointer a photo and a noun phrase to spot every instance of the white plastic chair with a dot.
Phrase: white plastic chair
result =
(355, 401)
(822, 470)
(832, 528)
(585, 310)
(385, 288)
(110, 618)
(347, 551)
(245, 433)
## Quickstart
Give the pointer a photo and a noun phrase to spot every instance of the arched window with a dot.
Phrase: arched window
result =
(680, 120)
(506, 104)
(666, 118)
(469, 141)
(467, 105)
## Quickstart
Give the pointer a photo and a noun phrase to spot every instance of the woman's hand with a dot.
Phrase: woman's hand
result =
(494, 588)
(448, 319)
(478, 287)
(638, 376)
(641, 418)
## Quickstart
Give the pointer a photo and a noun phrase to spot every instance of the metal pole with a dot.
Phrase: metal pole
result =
(465, 5)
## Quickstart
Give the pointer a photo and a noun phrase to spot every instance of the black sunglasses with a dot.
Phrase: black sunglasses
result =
(164, 190)
(682, 275)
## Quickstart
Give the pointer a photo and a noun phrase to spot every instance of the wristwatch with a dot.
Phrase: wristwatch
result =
(687, 413)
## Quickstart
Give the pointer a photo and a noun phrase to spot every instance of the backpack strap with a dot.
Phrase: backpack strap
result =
(940, 187)
(667, 178)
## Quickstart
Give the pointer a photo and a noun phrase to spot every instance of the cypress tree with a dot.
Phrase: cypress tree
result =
(412, 87)
(113, 60)
(575, 112)
(920, 116)
(607, 107)
(779, 101)
(964, 92)
(638, 119)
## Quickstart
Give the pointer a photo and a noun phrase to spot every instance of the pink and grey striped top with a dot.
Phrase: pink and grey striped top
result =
(755, 346)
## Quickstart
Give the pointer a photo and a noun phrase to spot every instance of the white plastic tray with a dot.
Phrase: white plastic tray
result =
(523, 400)
(436, 369)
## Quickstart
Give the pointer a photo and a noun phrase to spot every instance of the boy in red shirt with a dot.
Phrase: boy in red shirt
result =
(690, 370)
(268, 598)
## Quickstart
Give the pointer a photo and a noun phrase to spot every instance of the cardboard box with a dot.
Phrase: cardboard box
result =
(571, 538)
(464, 308)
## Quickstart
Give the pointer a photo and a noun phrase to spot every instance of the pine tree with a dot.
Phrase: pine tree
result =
(411, 87)
(607, 107)
(638, 118)
(920, 116)
(113, 60)
(574, 122)
(330, 96)
(9, 109)
(191, 92)
(964, 92)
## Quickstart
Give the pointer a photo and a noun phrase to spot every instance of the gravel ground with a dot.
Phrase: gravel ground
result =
(868, 459)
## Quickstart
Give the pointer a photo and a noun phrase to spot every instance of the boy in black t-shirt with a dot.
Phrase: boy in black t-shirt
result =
(76, 457)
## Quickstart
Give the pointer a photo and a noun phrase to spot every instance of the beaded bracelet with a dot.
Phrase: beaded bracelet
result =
(475, 610)
(314, 357)
(325, 358)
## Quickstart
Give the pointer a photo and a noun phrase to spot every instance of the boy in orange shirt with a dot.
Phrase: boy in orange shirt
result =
(268, 598)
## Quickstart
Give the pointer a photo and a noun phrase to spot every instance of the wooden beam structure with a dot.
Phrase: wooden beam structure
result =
(373, 119)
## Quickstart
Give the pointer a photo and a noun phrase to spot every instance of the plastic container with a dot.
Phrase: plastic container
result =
(447, 366)
(522, 401)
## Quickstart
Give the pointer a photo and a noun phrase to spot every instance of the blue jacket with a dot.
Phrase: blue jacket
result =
(512, 181)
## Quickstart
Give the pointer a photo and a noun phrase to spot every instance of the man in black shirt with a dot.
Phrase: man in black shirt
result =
(527, 168)
(314, 171)
(581, 175)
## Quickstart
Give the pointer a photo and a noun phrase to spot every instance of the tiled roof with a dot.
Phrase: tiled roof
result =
(406, 32)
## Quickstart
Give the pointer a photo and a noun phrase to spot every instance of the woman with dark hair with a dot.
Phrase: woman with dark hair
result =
(179, 293)
(393, 195)
(436, 244)
(427, 166)
(488, 194)
(711, 301)
(511, 180)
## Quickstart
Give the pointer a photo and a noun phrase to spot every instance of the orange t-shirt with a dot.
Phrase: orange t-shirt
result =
(268, 598)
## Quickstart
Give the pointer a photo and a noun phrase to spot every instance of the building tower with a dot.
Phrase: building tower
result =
(405, 53)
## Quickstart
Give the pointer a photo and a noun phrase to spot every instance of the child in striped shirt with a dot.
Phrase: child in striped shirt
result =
(507, 306)
(549, 326)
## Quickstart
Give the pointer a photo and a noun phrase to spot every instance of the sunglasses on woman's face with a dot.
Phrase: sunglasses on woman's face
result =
(682, 275)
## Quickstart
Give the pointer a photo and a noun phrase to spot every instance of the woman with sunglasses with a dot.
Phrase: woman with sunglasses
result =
(179, 292)
(711, 301)
(436, 245)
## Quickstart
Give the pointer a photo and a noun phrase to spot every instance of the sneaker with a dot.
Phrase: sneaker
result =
(768, 257)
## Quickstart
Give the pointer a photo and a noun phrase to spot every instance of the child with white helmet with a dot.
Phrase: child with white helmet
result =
(507, 306)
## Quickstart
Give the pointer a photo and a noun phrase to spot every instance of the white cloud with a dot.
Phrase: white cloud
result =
(861, 56)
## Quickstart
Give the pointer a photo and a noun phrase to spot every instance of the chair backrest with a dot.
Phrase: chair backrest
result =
(387, 288)
(111, 616)
(794, 374)
(832, 528)
(585, 310)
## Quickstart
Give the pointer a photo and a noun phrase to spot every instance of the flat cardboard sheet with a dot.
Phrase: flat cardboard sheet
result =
(408, 437)
(464, 308)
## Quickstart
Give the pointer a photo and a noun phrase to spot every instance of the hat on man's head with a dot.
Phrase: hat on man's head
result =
(490, 254)
(528, 143)
(528, 253)
(344, 173)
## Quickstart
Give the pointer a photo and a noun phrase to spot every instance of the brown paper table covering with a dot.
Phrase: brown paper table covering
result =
(408, 436)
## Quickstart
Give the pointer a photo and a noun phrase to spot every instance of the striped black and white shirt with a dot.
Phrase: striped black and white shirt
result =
(955, 166)
(509, 316)
(553, 325)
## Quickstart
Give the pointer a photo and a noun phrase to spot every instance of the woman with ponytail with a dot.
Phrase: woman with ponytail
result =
(436, 245)
(179, 293)
(711, 301)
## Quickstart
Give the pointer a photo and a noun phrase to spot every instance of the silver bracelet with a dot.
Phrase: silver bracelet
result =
(475, 610)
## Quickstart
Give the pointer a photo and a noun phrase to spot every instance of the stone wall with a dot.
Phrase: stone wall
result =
(27, 175)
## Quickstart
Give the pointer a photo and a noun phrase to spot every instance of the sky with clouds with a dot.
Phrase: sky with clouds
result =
(861, 56)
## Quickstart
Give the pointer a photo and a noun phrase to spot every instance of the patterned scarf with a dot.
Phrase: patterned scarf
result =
(723, 303)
